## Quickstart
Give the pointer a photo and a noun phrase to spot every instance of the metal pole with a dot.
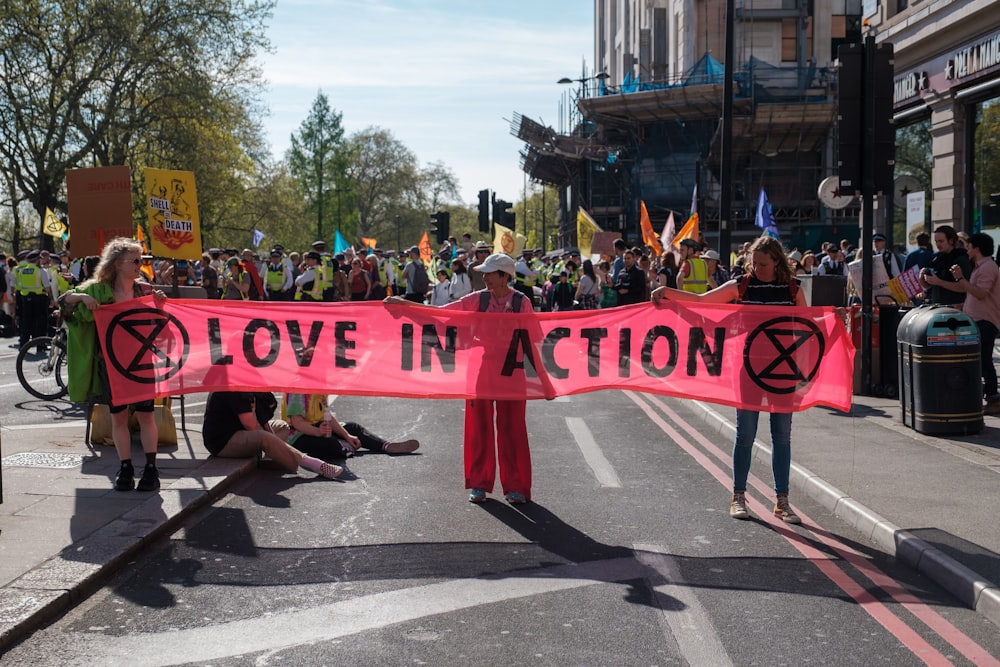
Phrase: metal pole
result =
(543, 218)
(867, 214)
(726, 175)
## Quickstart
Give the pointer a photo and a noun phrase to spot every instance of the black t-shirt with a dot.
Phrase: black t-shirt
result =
(222, 415)
(942, 263)
(634, 280)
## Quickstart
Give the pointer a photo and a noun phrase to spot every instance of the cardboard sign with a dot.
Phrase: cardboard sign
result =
(100, 207)
(604, 243)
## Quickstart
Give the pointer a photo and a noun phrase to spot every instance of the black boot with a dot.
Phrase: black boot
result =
(126, 477)
(150, 479)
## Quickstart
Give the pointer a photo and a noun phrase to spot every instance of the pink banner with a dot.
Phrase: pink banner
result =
(768, 359)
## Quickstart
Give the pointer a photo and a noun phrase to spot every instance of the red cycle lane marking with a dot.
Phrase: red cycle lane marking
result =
(933, 620)
(906, 635)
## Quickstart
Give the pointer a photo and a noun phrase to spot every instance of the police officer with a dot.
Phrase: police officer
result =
(309, 285)
(278, 278)
(526, 274)
(32, 284)
(327, 288)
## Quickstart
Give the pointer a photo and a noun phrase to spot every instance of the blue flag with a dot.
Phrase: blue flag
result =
(340, 244)
(764, 219)
(258, 236)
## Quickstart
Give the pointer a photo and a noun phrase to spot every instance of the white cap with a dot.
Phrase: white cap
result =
(710, 254)
(497, 262)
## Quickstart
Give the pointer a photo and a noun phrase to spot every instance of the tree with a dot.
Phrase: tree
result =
(318, 158)
(84, 84)
(385, 183)
(438, 186)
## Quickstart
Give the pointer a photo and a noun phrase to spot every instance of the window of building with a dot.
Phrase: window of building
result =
(791, 34)
(985, 195)
(914, 163)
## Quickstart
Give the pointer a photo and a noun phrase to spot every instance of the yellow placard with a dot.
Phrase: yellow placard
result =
(586, 228)
(172, 201)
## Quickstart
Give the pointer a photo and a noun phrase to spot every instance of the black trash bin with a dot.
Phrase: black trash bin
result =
(940, 381)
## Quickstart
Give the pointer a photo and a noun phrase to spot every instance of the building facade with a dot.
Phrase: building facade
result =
(946, 99)
(650, 116)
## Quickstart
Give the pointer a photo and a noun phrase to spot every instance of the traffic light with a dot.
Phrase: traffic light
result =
(500, 215)
(442, 223)
(484, 211)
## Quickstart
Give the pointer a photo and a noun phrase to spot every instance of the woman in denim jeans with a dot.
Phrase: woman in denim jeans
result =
(767, 282)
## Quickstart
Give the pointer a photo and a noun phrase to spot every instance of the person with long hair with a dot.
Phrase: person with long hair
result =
(589, 287)
(360, 280)
(768, 282)
(117, 278)
(461, 282)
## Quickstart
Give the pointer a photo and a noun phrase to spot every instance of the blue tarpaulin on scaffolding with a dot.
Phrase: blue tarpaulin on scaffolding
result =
(706, 70)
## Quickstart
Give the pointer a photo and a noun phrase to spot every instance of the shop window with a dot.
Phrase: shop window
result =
(986, 166)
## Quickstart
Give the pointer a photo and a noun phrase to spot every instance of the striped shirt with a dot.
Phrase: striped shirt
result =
(760, 293)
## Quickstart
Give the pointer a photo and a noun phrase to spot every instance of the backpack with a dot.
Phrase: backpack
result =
(420, 280)
(484, 301)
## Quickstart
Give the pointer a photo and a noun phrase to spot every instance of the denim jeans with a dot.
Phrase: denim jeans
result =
(987, 338)
(781, 448)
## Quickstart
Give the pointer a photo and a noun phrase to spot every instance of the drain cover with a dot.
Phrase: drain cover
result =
(45, 460)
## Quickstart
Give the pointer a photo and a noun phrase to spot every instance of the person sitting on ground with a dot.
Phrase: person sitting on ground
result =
(240, 424)
(315, 430)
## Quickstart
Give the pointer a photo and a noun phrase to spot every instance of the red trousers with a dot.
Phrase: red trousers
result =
(510, 444)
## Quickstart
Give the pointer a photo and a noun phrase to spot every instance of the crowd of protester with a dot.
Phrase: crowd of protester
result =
(954, 269)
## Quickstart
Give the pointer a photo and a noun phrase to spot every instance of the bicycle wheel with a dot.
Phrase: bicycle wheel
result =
(41, 367)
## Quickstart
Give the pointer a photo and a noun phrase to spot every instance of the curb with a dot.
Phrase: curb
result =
(971, 588)
(39, 596)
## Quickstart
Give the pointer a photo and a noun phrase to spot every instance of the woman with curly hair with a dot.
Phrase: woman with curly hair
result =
(117, 278)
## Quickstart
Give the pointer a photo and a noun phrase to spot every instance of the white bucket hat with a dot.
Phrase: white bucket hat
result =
(497, 262)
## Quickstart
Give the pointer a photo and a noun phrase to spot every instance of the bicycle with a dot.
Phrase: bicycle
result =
(41, 366)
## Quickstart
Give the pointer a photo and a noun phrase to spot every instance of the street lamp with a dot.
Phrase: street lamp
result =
(581, 92)
(600, 76)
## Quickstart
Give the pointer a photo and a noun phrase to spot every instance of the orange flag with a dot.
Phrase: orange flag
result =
(369, 243)
(425, 249)
(688, 231)
(141, 238)
(648, 235)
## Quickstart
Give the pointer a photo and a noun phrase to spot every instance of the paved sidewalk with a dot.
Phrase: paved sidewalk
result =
(64, 530)
(930, 501)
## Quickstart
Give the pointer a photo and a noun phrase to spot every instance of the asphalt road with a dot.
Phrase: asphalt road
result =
(626, 557)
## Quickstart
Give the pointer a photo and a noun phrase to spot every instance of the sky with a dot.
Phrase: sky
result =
(443, 76)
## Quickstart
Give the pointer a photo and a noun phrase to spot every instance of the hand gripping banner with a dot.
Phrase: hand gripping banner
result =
(752, 357)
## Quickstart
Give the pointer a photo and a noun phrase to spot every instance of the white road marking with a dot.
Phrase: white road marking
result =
(276, 631)
(690, 626)
(592, 453)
